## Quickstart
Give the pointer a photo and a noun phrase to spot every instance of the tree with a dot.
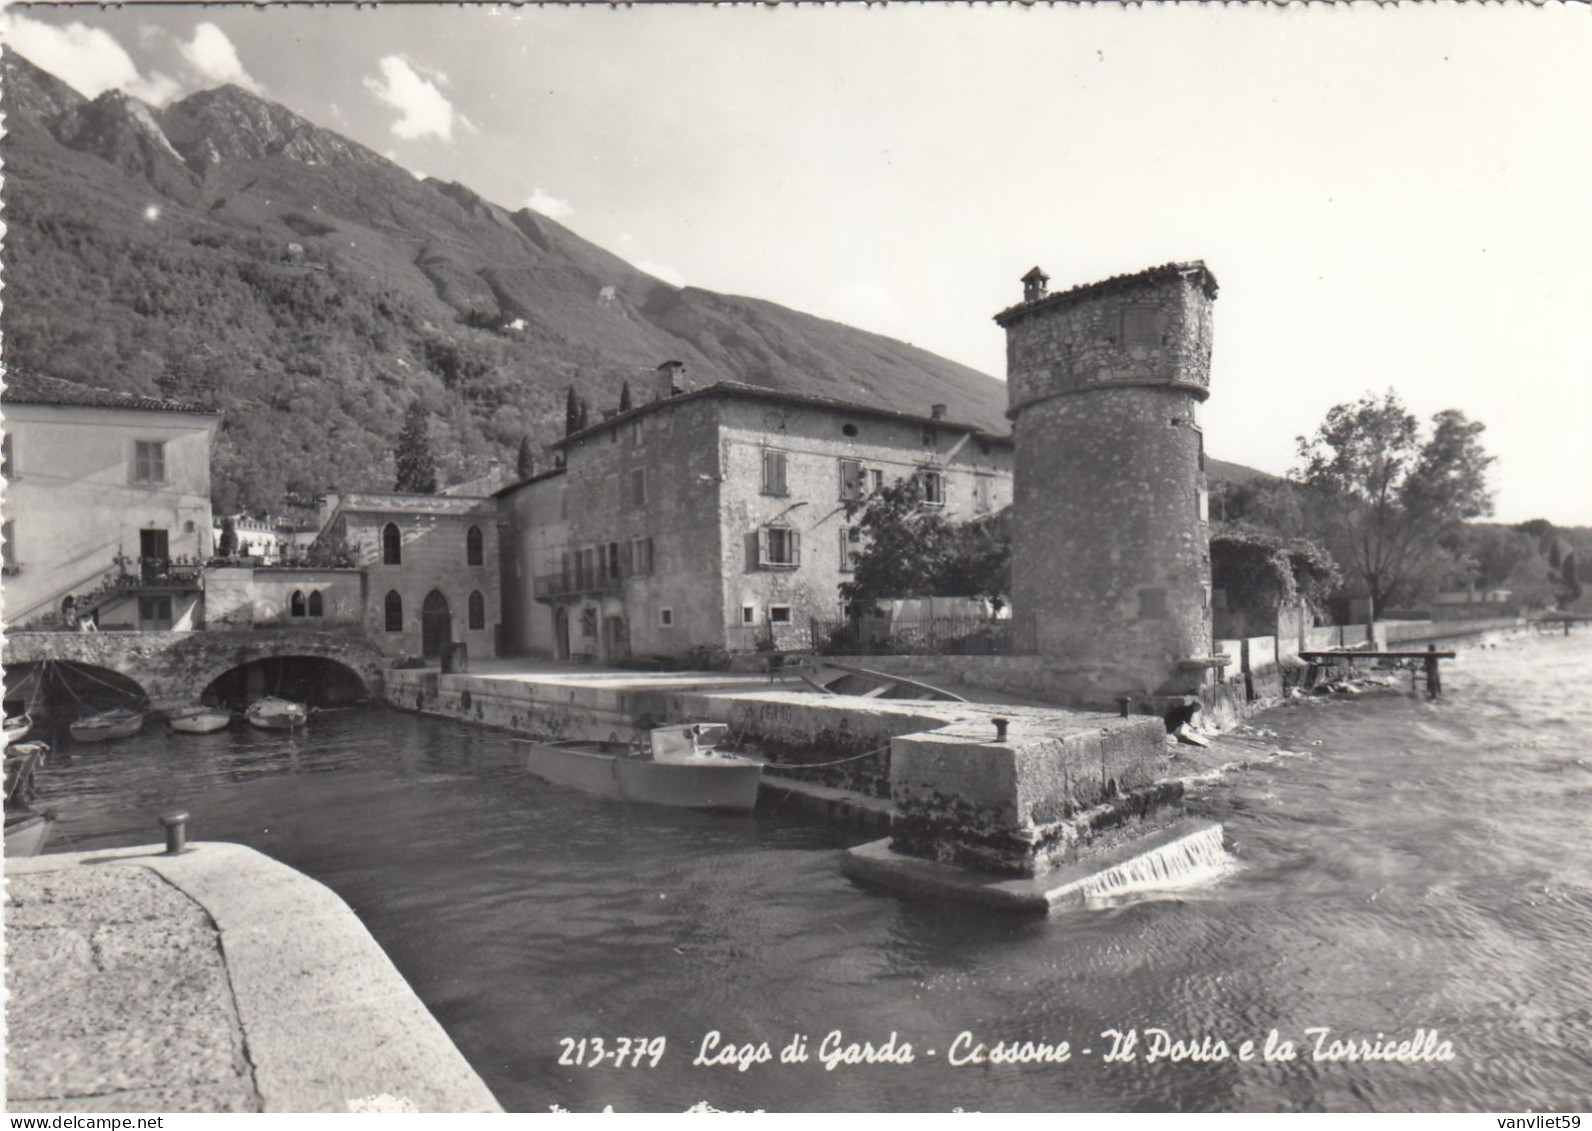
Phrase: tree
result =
(625, 403)
(571, 412)
(229, 538)
(583, 417)
(417, 467)
(525, 463)
(1569, 583)
(912, 551)
(1388, 495)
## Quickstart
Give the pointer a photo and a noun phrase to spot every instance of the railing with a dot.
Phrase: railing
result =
(941, 636)
(548, 585)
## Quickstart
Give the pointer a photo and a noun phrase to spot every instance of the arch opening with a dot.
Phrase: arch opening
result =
(315, 680)
(59, 691)
(436, 625)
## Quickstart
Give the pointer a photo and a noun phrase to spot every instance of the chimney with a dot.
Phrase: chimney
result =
(1035, 285)
(671, 379)
(937, 412)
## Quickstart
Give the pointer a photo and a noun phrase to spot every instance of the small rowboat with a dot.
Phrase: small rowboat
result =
(17, 727)
(674, 765)
(200, 719)
(120, 723)
(835, 678)
(272, 713)
(26, 829)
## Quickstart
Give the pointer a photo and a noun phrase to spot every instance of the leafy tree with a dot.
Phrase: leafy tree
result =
(1259, 571)
(625, 403)
(417, 467)
(1387, 495)
(229, 538)
(525, 463)
(913, 551)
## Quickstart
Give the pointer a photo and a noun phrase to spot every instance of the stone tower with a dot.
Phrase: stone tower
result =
(1111, 545)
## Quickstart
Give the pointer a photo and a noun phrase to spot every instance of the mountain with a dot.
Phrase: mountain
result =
(225, 249)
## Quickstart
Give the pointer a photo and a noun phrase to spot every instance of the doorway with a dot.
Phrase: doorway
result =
(436, 625)
(154, 552)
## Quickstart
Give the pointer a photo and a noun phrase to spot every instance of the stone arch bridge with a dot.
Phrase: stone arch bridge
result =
(173, 668)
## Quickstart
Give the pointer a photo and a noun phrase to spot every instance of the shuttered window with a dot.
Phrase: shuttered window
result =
(774, 473)
(851, 480)
(779, 547)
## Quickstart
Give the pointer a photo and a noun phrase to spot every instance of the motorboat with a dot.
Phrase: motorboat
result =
(17, 727)
(677, 765)
(122, 722)
(835, 678)
(26, 829)
(200, 719)
(272, 713)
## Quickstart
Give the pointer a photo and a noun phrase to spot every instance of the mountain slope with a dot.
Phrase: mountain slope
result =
(224, 248)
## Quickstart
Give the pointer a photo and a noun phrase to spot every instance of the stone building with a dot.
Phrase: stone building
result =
(431, 569)
(1111, 542)
(107, 504)
(715, 519)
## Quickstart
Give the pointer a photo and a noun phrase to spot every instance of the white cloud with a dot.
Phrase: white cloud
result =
(211, 53)
(547, 204)
(423, 109)
(659, 271)
(87, 59)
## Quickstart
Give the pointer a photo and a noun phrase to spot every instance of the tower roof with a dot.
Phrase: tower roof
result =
(1193, 269)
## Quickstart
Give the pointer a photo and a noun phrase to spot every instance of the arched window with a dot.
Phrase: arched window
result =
(391, 545)
(477, 609)
(296, 604)
(316, 608)
(395, 612)
(473, 554)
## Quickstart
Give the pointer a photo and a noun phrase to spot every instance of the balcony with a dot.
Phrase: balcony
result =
(551, 586)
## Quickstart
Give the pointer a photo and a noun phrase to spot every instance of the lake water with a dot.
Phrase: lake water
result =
(1408, 866)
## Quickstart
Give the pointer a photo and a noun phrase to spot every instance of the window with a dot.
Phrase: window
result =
(931, 436)
(296, 603)
(611, 562)
(641, 556)
(748, 614)
(665, 618)
(851, 480)
(154, 612)
(391, 545)
(876, 479)
(636, 431)
(779, 614)
(774, 473)
(586, 567)
(779, 547)
(474, 554)
(981, 493)
(638, 487)
(932, 484)
(588, 622)
(477, 610)
(395, 612)
(1202, 504)
(149, 461)
(7, 463)
(850, 542)
(849, 429)
(317, 608)
(563, 503)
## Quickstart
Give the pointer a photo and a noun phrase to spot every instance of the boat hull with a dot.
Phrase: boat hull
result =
(703, 783)
(27, 833)
(278, 714)
(201, 722)
(98, 728)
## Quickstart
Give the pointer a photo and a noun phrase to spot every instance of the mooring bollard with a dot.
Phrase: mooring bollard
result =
(1124, 702)
(1000, 729)
(1434, 684)
(176, 831)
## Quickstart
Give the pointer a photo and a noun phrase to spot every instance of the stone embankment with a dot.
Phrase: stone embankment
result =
(213, 980)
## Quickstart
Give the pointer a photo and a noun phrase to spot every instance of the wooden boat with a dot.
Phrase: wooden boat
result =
(26, 829)
(200, 719)
(836, 678)
(123, 722)
(674, 765)
(17, 727)
(272, 713)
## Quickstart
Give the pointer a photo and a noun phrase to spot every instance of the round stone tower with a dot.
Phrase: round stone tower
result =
(1111, 567)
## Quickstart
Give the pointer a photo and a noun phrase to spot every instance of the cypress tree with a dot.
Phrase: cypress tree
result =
(571, 412)
(417, 467)
(525, 465)
(583, 417)
(625, 403)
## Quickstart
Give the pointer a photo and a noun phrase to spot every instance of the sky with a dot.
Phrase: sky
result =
(1390, 197)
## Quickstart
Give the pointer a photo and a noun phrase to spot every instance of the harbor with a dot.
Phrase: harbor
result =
(523, 913)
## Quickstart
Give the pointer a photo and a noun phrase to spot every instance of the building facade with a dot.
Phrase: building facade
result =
(715, 520)
(431, 569)
(107, 504)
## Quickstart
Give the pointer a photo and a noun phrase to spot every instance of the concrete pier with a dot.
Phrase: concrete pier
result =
(214, 980)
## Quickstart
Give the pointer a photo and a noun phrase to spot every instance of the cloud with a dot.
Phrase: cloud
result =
(659, 271)
(211, 54)
(547, 204)
(87, 59)
(423, 109)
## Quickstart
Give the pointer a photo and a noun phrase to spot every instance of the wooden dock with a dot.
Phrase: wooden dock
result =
(1430, 658)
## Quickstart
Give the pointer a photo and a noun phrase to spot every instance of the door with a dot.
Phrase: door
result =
(154, 552)
(616, 639)
(436, 625)
(561, 633)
